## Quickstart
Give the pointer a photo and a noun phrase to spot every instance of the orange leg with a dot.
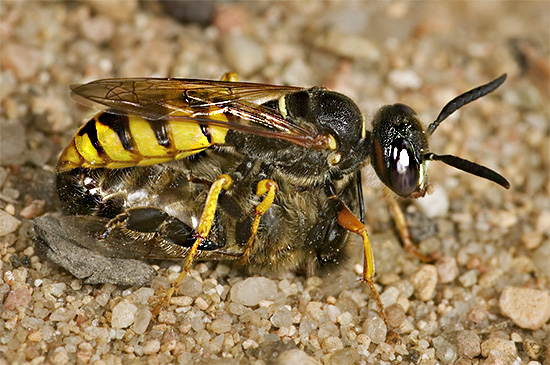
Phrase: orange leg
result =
(223, 182)
(350, 222)
(268, 187)
(401, 223)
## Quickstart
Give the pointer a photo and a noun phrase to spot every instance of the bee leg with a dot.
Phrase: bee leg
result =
(223, 182)
(401, 223)
(150, 223)
(350, 222)
(268, 187)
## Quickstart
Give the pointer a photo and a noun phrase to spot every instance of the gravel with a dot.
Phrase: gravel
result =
(484, 299)
(527, 308)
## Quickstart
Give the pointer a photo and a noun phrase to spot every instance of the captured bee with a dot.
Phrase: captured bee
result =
(225, 170)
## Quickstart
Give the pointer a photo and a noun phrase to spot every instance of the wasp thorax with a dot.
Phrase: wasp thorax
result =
(399, 143)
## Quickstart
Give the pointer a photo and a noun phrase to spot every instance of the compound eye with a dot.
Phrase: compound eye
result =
(404, 169)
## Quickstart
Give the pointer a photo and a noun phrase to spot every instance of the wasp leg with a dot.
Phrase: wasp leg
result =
(223, 182)
(268, 187)
(401, 223)
(350, 222)
(230, 76)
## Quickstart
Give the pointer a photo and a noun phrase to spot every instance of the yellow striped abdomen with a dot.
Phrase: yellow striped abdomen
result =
(120, 140)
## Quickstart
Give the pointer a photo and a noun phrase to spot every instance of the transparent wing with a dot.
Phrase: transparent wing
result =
(202, 101)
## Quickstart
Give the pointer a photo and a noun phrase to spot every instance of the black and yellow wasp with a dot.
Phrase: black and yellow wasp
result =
(226, 170)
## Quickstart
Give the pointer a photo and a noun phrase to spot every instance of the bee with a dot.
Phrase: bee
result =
(226, 170)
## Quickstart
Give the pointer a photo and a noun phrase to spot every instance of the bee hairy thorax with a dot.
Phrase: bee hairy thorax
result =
(299, 219)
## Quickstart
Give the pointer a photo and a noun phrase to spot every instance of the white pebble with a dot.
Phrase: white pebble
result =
(123, 314)
(424, 281)
(527, 308)
(8, 223)
(142, 319)
(252, 291)
(405, 79)
(435, 204)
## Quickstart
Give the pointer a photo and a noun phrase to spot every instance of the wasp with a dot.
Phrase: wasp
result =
(226, 170)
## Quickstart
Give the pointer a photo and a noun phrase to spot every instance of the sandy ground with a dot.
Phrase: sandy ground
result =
(485, 300)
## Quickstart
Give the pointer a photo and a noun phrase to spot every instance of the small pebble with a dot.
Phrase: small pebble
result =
(424, 282)
(332, 343)
(231, 16)
(33, 210)
(469, 278)
(348, 45)
(468, 344)
(190, 286)
(119, 10)
(55, 290)
(282, 317)
(221, 325)
(181, 301)
(62, 314)
(376, 329)
(533, 349)
(345, 319)
(409, 79)
(151, 347)
(532, 240)
(167, 317)
(98, 29)
(17, 298)
(490, 278)
(444, 350)
(314, 309)
(527, 308)
(251, 291)
(395, 315)
(477, 314)
(295, 356)
(23, 61)
(543, 222)
(447, 269)
(190, 11)
(141, 321)
(435, 204)
(201, 303)
(8, 223)
(498, 347)
(142, 295)
(123, 314)
(332, 312)
(60, 356)
(389, 296)
(243, 54)
(342, 356)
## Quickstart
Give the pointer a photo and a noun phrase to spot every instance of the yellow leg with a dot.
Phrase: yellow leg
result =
(222, 183)
(350, 222)
(230, 76)
(401, 223)
(268, 187)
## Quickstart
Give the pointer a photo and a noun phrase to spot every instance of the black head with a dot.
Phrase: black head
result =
(400, 150)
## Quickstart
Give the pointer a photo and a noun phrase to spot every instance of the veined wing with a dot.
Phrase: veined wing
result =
(202, 101)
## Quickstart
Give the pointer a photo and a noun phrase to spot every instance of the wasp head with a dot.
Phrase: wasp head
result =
(400, 151)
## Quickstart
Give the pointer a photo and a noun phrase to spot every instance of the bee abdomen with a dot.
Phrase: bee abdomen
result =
(113, 139)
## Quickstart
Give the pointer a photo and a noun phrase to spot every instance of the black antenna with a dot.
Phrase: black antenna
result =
(470, 167)
(463, 99)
